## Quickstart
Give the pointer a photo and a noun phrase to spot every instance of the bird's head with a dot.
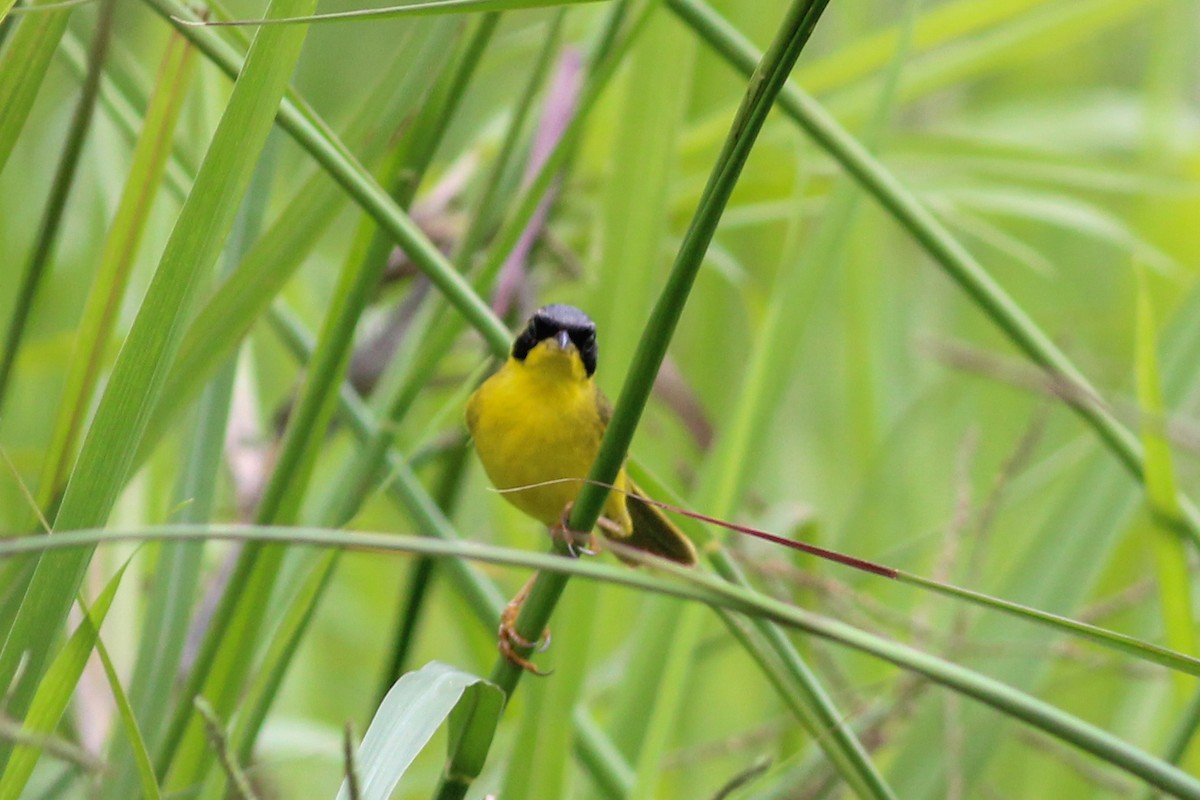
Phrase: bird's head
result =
(558, 337)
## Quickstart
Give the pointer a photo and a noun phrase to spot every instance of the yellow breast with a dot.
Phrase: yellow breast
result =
(539, 420)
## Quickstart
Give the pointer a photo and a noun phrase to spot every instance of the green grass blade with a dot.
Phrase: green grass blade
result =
(178, 567)
(1162, 493)
(133, 733)
(110, 446)
(428, 8)
(23, 66)
(64, 178)
(54, 691)
(224, 664)
(127, 112)
(149, 162)
(1179, 660)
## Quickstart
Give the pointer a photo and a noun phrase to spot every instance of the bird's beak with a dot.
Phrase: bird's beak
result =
(563, 340)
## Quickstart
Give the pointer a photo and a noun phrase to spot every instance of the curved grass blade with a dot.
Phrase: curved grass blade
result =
(329, 151)
(390, 12)
(225, 318)
(667, 578)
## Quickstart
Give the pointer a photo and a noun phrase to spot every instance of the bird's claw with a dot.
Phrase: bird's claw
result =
(571, 538)
(509, 640)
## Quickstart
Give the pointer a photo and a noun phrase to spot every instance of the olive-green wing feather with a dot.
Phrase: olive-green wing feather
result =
(656, 534)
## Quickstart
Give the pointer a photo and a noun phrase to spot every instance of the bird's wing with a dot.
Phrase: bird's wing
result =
(654, 533)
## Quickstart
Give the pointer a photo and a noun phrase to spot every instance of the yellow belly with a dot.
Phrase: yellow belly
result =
(533, 425)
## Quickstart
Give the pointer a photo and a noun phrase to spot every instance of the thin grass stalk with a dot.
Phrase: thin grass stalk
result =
(767, 81)
(635, 213)
(47, 236)
(54, 691)
(674, 580)
(60, 189)
(122, 111)
(133, 734)
(178, 568)
(723, 481)
(936, 240)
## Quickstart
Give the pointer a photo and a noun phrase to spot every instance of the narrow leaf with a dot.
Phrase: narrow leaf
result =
(55, 690)
(1174, 580)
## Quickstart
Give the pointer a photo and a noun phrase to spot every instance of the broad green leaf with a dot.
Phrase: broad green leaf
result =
(407, 718)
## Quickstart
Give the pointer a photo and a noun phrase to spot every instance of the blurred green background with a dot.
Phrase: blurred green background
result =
(1056, 139)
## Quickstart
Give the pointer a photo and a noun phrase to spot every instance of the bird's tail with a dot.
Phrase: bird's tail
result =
(654, 533)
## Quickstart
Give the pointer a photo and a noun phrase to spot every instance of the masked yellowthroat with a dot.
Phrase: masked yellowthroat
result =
(540, 418)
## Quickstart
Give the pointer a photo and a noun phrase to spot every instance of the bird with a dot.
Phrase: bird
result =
(539, 420)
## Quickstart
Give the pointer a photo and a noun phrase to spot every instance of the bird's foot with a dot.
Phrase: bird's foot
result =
(509, 641)
(579, 543)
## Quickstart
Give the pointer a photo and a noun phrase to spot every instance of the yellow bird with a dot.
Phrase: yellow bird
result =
(540, 418)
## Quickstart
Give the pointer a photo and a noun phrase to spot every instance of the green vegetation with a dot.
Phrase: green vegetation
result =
(925, 298)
